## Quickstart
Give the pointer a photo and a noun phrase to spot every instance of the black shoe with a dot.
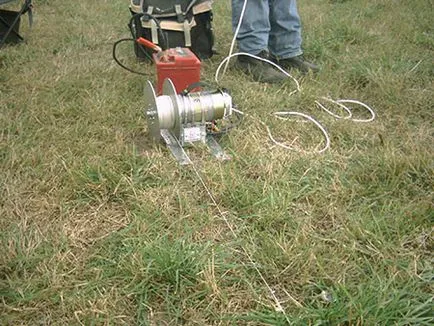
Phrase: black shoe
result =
(260, 71)
(298, 63)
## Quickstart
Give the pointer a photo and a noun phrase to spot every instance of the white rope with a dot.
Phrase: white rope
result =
(350, 114)
(216, 78)
(283, 115)
(308, 117)
(234, 234)
(371, 111)
(237, 30)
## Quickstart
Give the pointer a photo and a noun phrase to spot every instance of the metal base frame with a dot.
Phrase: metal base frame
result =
(181, 156)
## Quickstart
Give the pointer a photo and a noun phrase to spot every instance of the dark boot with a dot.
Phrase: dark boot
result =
(260, 71)
(298, 63)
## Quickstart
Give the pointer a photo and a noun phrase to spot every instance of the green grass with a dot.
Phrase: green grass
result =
(98, 226)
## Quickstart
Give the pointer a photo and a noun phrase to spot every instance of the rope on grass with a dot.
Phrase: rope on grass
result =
(340, 102)
(278, 307)
(281, 115)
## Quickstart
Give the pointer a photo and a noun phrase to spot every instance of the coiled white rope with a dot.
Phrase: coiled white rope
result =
(318, 103)
(216, 77)
(340, 102)
(281, 115)
(367, 107)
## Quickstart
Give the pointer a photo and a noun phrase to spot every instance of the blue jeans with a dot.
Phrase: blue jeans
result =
(272, 25)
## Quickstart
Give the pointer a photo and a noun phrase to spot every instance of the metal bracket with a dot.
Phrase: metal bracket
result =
(174, 146)
(181, 156)
(216, 149)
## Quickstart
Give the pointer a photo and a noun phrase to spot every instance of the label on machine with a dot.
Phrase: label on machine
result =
(192, 134)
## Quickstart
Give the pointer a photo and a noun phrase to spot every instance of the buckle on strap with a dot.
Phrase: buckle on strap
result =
(179, 14)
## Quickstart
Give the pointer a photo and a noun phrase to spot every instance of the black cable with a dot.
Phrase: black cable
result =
(193, 86)
(190, 5)
(134, 36)
(157, 22)
(120, 63)
(130, 25)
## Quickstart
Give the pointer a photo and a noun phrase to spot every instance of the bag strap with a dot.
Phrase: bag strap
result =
(187, 33)
(179, 13)
(154, 32)
(182, 17)
(187, 29)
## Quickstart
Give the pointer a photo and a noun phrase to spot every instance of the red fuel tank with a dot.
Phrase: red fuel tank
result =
(180, 65)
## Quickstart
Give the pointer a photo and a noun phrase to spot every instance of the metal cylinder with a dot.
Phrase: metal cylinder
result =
(177, 112)
(166, 112)
(204, 107)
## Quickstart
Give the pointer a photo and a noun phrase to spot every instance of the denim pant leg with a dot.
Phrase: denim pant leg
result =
(285, 35)
(255, 28)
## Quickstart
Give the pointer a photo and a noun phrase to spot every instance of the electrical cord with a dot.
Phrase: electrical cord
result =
(134, 39)
(134, 36)
(115, 45)
(157, 22)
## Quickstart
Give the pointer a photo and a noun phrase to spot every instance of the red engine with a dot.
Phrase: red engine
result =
(180, 65)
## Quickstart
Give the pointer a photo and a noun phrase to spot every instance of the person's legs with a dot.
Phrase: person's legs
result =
(285, 34)
(254, 31)
(253, 39)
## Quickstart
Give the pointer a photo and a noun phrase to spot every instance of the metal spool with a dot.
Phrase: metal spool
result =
(174, 112)
(181, 119)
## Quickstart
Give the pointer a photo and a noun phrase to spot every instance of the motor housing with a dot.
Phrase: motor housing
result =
(182, 119)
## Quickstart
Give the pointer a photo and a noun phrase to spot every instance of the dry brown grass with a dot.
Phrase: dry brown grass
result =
(98, 226)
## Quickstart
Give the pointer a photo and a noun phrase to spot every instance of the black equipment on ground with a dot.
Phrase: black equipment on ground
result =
(10, 22)
(170, 24)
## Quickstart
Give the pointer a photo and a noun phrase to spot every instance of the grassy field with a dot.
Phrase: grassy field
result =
(100, 227)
